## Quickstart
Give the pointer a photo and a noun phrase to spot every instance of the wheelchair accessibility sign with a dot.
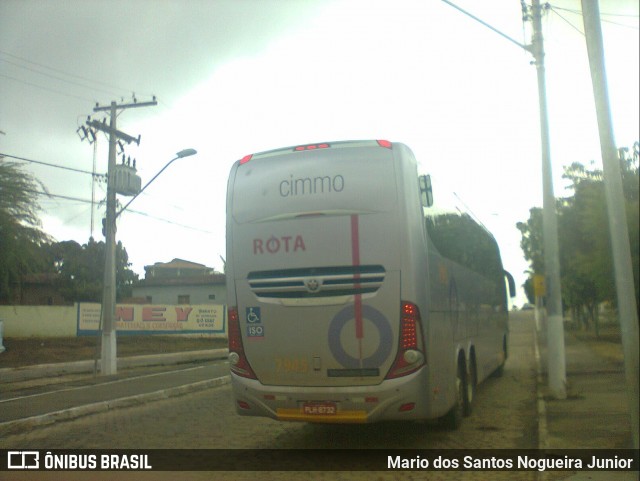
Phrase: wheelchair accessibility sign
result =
(255, 329)
(253, 315)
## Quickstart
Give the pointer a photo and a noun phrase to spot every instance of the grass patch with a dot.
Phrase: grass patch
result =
(28, 351)
(607, 344)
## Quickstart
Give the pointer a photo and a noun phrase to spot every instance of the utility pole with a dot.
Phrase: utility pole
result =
(615, 208)
(109, 364)
(556, 368)
(555, 329)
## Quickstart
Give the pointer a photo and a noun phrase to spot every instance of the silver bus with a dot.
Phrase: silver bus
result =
(353, 297)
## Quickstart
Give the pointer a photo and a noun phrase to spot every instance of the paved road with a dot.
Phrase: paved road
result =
(22, 400)
(504, 417)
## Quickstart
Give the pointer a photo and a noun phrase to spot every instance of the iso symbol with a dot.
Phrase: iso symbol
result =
(255, 331)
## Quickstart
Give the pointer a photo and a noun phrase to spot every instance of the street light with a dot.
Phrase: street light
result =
(109, 356)
(179, 155)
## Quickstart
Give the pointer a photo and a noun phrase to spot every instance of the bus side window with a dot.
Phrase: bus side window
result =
(459, 238)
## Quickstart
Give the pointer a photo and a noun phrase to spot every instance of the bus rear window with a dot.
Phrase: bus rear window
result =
(319, 182)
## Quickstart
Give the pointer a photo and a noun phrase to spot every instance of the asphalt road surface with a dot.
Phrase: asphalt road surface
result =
(504, 417)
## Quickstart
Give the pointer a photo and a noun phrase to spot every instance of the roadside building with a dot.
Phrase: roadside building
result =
(180, 282)
(42, 289)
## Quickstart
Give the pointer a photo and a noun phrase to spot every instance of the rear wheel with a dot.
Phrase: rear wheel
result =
(500, 370)
(471, 383)
(453, 419)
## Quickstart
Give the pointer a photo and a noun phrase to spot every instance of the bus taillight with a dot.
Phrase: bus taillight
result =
(237, 357)
(410, 355)
(300, 148)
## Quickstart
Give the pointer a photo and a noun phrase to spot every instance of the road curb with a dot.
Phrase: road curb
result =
(20, 425)
(11, 374)
(543, 433)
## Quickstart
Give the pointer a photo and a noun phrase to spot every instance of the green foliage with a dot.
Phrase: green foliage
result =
(532, 241)
(25, 249)
(81, 269)
(20, 236)
(586, 264)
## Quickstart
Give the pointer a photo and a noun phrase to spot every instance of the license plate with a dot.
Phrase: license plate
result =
(320, 408)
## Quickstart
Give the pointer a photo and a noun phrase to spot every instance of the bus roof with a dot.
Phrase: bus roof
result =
(316, 146)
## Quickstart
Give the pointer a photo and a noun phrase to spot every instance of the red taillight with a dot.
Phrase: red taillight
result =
(239, 363)
(407, 407)
(409, 328)
(246, 159)
(384, 143)
(410, 355)
(300, 148)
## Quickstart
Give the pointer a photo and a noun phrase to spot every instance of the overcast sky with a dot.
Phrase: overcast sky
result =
(239, 76)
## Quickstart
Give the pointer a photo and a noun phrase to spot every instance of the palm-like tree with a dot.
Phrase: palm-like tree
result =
(20, 232)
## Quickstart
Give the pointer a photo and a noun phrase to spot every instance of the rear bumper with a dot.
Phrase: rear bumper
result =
(404, 398)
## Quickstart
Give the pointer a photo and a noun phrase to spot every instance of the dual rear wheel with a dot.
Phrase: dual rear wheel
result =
(466, 381)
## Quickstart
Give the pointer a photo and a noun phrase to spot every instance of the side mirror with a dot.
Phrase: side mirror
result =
(512, 284)
(426, 192)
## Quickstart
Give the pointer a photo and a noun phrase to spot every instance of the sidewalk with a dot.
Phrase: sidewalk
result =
(83, 394)
(10, 374)
(595, 414)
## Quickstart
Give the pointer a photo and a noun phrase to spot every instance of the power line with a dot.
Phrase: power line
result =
(620, 24)
(169, 221)
(58, 196)
(145, 214)
(579, 12)
(63, 72)
(52, 165)
(57, 78)
(46, 88)
(567, 21)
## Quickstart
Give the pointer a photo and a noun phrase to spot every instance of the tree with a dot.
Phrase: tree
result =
(585, 252)
(21, 238)
(585, 260)
(532, 244)
(81, 268)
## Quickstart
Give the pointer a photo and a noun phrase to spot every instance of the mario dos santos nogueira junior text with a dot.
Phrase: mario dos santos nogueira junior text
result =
(510, 463)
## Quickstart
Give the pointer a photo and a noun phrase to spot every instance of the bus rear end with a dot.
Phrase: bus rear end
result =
(318, 328)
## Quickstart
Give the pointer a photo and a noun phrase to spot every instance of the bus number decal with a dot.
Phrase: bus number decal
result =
(291, 365)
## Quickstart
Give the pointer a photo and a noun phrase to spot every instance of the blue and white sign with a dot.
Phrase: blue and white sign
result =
(253, 315)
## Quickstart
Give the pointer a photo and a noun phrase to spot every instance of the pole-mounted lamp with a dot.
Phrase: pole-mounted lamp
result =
(179, 155)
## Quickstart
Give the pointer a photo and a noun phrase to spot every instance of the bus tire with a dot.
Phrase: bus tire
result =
(453, 419)
(471, 384)
(500, 369)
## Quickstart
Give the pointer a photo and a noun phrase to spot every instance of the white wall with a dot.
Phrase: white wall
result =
(39, 321)
(53, 321)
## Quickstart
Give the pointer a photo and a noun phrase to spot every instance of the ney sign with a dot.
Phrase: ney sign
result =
(156, 319)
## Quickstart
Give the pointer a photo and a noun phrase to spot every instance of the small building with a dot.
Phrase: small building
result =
(181, 282)
(39, 290)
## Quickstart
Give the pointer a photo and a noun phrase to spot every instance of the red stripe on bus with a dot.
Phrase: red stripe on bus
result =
(355, 260)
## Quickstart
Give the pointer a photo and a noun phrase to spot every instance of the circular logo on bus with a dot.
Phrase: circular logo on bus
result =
(312, 285)
(354, 359)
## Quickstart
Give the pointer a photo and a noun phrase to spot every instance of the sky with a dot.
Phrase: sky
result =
(234, 77)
